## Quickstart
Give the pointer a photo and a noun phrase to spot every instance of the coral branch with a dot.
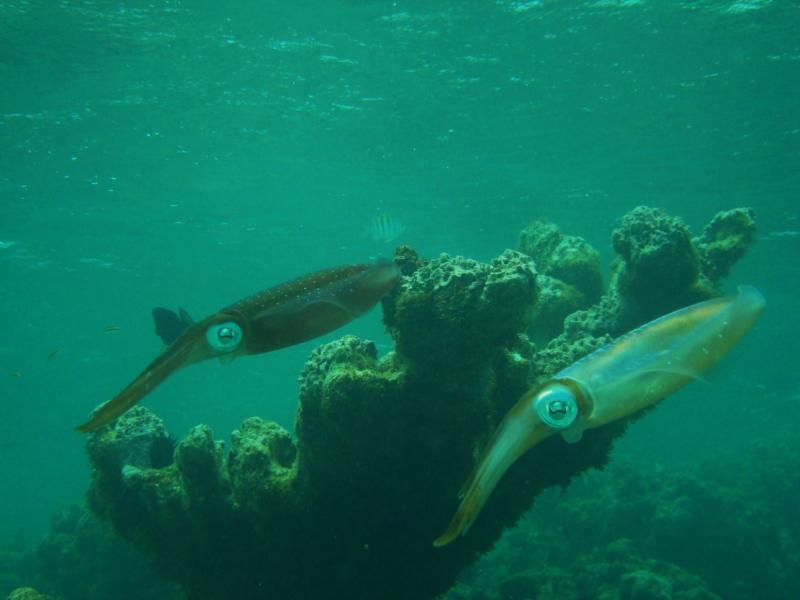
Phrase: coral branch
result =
(349, 509)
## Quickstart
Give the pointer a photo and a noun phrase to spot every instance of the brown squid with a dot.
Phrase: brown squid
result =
(290, 313)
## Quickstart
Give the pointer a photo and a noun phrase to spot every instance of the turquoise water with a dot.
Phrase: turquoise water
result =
(191, 153)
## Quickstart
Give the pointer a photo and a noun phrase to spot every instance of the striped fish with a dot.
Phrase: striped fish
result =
(385, 228)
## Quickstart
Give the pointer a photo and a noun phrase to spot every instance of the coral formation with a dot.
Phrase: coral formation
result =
(724, 241)
(660, 266)
(453, 313)
(612, 572)
(13, 566)
(568, 275)
(81, 559)
(728, 527)
(27, 594)
(567, 258)
(383, 444)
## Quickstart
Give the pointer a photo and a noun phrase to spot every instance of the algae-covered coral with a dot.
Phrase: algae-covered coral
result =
(27, 594)
(349, 508)
(727, 527)
(661, 265)
(80, 558)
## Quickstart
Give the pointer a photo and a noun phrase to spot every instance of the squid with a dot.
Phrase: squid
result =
(626, 376)
(287, 314)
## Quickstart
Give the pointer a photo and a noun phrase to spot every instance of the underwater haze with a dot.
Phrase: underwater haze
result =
(188, 153)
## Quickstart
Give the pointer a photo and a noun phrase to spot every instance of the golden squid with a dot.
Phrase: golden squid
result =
(287, 314)
(631, 373)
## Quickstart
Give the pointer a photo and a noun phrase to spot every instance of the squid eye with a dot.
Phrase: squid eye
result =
(224, 337)
(556, 406)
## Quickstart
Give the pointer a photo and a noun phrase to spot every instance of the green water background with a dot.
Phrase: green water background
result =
(191, 153)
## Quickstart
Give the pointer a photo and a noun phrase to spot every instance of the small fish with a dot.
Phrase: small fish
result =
(53, 354)
(15, 374)
(111, 328)
(385, 228)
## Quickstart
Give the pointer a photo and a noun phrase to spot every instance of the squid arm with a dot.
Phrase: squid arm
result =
(633, 372)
